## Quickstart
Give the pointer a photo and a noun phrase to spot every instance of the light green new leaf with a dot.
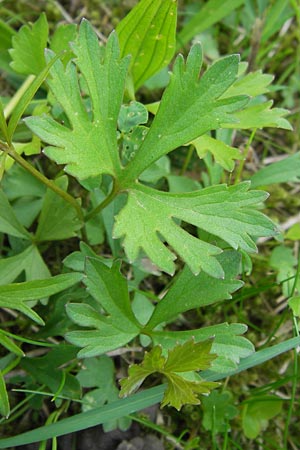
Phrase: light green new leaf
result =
(254, 83)
(286, 170)
(227, 212)
(89, 148)
(189, 107)
(58, 219)
(147, 34)
(210, 13)
(8, 221)
(28, 47)
(228, 343)
(29, 260)
(190, 291)
(260, 116)
(224, 154)
(15, 296)
(180, 390)
(4, 402)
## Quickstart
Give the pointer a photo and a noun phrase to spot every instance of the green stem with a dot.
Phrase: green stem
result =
(18, 95)
(114, 192)
(49, 183)
(187, 159)
(245, 153)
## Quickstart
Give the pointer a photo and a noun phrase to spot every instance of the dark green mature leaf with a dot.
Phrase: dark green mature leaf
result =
(226, 212)
(190, 291)
(147, 33)
(190, 107)
(28, 47)
(8, 221)
(110, 289)
(58, 219)
(90, 147)
(15, 296)
(218, 409)
(287, 170)
(60, 355)
(187, 357)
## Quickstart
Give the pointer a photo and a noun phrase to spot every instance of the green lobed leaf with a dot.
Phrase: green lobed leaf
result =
(89, 148)
(190, 291)
(58, 219)
(182, 358)
(254, 83)
(29, 260)
(224, 154)
(15, 296)
(286, 170)
(8, 221)
(227, 344)
(28, 47)
(110, 289)
(226, 212)
(189, 107)
(147, 33)
(218, 409)
(260, 116)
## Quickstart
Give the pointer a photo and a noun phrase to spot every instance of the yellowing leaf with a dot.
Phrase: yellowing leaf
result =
(180, 390)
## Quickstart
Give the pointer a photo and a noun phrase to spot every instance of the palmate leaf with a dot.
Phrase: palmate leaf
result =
(178, 368)
(228, 343)
(189, 291)
(89, 148)
(120, 326)
(226, 212)
(190, 106)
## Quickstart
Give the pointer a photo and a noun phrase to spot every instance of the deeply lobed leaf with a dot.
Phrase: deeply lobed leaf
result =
(227, 212)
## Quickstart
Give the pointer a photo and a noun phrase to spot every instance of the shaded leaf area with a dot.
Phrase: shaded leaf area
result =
(15, 296)
(218, 410)
(177, 367)
(99, 374)
(228, 344)
(148, 31)
(57, 380)
(89, 148)
(108, 332)
(257, 413)
(189, 291)
(227, 212)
